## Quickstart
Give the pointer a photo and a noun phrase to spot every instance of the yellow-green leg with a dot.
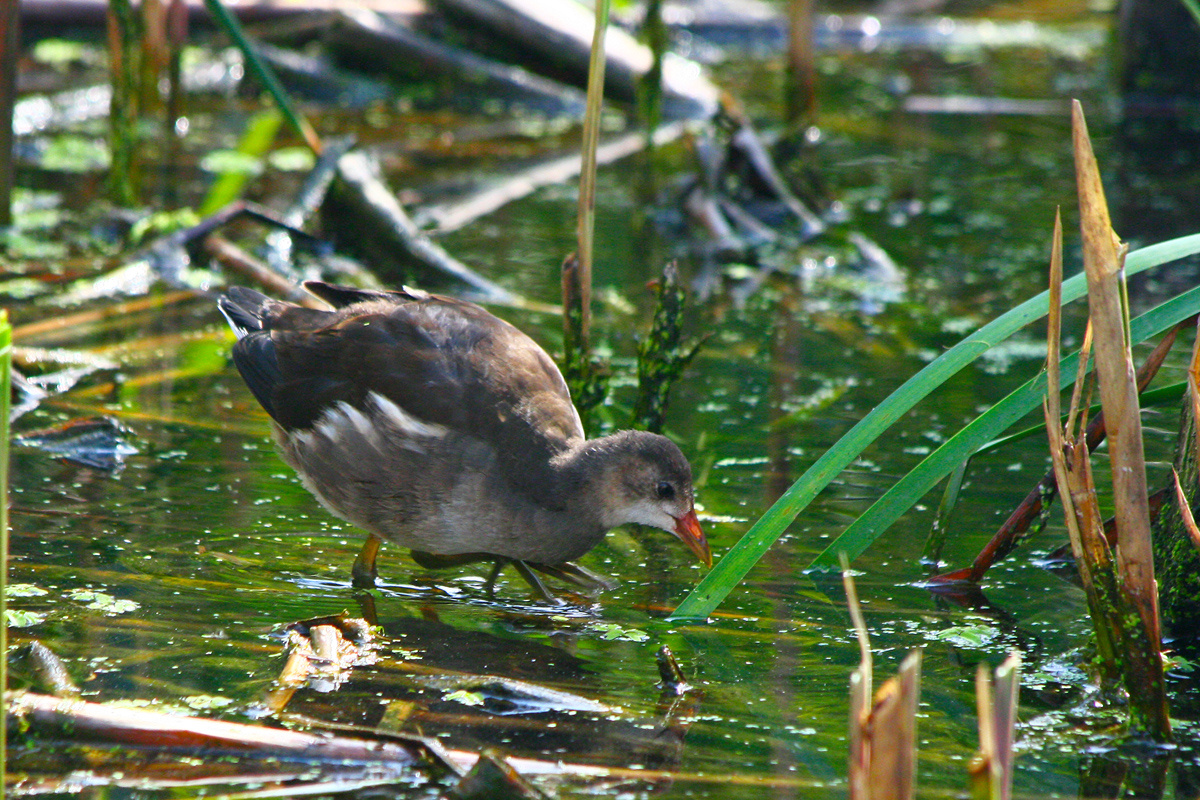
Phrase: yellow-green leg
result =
(363, 573)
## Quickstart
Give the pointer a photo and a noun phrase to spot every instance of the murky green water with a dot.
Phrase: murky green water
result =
(214, 546)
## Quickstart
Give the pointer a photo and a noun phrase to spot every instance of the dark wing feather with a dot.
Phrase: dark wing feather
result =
(241, 308)
(342, 296)
(444, 361)
(254, 357)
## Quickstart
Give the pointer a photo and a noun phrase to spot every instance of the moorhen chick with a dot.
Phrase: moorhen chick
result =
(433, 424)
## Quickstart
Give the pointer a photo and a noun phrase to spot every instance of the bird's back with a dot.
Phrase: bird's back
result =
(442, 362)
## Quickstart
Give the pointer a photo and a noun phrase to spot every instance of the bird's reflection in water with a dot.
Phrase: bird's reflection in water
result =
(472, 690)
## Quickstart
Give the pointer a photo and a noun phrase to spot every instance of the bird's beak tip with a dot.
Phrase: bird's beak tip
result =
(687, 528)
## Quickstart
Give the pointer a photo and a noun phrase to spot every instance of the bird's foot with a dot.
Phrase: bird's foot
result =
(574, 574)
(523, 569)
(566, 572)
(533, 580)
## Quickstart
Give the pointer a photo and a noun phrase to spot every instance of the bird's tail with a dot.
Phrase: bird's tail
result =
(243, 309)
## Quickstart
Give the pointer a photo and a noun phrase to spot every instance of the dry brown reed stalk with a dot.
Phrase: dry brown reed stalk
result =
(1122, 594)
(992, 768)
(883, 727)
(1104, 260)
(1085, 526)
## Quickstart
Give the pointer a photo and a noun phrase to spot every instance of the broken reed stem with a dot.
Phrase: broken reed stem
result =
(996, 703)
(583, 381)
(1073, 478)
(883, 727)
(860, 692)
(1104, 259)
(1136, 592)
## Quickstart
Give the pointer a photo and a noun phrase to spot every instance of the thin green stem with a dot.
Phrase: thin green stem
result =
(587, 176)
(264, 74)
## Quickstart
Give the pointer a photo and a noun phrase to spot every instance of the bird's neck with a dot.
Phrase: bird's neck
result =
(586, 477)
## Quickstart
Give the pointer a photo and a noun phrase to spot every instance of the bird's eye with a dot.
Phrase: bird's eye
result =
(664, 490)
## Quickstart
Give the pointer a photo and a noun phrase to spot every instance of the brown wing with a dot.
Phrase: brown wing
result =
(442, 360)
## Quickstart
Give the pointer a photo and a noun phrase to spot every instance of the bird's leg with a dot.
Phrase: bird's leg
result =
(533, 580)
(573, 573)
(363, 573)
(497, 565)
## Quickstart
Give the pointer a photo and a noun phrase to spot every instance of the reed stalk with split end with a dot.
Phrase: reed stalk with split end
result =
(883, 724)
(1120, 587)
(991, 769)
(580, 370)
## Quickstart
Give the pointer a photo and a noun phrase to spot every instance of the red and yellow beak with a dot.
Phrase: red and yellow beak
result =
(687, 528)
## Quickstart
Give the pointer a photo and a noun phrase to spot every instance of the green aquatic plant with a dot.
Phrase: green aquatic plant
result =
(742, 557)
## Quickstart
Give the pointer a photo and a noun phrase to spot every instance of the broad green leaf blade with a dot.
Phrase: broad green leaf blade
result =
(252, 148)
(742, 557)
(913, 486)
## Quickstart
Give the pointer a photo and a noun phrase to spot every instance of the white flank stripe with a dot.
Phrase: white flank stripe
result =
(406, 423)
(361, 423)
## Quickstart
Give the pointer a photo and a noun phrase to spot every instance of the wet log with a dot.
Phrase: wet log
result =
(365, 39)
(141, 728)
(455, 214)
(55, 13)
(380, 217)
(559, 36)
